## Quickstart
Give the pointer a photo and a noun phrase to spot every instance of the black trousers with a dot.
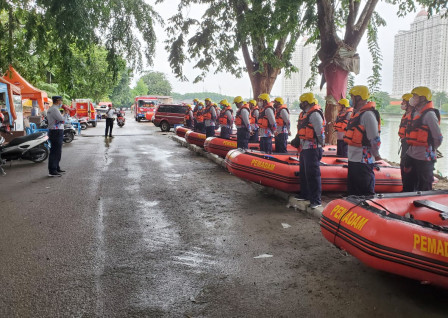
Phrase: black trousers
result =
(188, 123)
(281, 143)
(418, 174)
(242, 138)
(266, 144)
(310, 178)
(109, 126)
(225, 132)
(56, 137)
(210, 131)
(342, 149)
(360, 179)
(254, 138)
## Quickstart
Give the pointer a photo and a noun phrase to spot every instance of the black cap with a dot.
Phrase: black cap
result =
(56, 98)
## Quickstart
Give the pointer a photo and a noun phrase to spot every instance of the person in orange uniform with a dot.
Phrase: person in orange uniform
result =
(254, 114)
(200, 126)
(404, 124)
(195, 114)
(225, 119)
(189, 117)
(242, 123)
(423, 137)
(311, 132)
(345, 112)
(209, 118)
(266, 122)
(283, 125)
(363, 138)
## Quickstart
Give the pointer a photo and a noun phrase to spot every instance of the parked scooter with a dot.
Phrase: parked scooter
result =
(120, 119)
(30, 147)
(69, 133)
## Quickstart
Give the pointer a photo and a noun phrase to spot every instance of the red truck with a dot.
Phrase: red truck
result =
(85, 109)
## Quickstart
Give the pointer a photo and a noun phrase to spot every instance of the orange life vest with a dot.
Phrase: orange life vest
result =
(418, 134)
(238, 117)
(304, 127)
(187, 115)
(405, 121)
(252, 119)
(263, 121)
(208, 112)
(355, 134)
(341, 121)
(278, 119)
(223, 119)
(200, 116)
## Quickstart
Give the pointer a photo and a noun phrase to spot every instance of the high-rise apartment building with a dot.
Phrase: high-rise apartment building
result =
(421, 55)
(294, 86)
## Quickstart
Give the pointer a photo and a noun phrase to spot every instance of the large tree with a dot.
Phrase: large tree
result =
(338, 56)
(263, 32)
(157, 83)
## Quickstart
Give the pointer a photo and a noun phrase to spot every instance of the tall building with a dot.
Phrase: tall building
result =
(421, 55)
(294, 86)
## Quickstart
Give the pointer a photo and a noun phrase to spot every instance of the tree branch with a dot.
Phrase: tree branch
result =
(362, 24)
(353, 12)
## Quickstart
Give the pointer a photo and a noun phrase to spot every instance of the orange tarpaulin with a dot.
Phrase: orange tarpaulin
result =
(28, 90)
(12, 89)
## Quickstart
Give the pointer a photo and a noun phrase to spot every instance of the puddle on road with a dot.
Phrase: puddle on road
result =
(159, 155)
(194, 259)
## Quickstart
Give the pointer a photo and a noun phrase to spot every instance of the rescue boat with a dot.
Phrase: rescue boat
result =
(281, 171)
(221, 147)
(198, 139)
(181, 130)
(404, 234)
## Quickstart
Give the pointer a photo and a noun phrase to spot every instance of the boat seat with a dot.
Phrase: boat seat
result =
(442, 209)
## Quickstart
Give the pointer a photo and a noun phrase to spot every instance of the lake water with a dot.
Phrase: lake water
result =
(390, 144)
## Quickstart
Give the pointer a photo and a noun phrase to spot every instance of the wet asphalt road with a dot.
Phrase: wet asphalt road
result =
(142, 227)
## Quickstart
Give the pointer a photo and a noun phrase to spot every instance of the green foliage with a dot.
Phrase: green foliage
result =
(141, 89)
(215, 97)
(439, 98)
(264, 31)
(382, 99)
(121, 94)
(157, 84)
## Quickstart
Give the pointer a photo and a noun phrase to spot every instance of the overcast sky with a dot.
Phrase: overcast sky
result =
(227, 84)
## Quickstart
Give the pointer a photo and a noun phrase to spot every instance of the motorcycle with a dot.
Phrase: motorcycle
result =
(120, 120)
(30, 147)
(69, 133)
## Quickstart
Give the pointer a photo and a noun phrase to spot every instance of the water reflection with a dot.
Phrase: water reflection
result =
(390, 144)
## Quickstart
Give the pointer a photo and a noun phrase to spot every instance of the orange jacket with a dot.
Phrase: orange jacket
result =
(418, 134)
(341, 121)
(263, 121)
(278, 119)
(355, 134)
(405, 121)
(223, 119)
(252, 118)
(208, 112)
(304, 127)
(200, 116)
(238, 117)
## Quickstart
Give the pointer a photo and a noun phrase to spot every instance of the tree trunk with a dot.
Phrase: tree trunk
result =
(263, 82)
(337, 79)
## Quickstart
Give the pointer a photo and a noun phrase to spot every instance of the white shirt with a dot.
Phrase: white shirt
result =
(110, 113)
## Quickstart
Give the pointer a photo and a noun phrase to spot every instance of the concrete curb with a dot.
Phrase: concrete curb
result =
(292, 201)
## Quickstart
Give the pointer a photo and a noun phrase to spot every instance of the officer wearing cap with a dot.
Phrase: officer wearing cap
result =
(345, 112)
(56, 137)
(423, 136)
(363, 138)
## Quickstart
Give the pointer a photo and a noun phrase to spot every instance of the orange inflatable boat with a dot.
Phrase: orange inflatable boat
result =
(281, 171)
(404, 234)
(221, 147)
(198, 139)
(180, 131)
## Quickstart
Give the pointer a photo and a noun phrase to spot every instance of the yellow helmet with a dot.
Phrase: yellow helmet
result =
(345, 102)
(207, 100)
(308, 97)
(423, 91)
(253, 102)
(201, 104)
(360, 90)
(265, 97)
(279, 100)
(315, 101)
(238, 99)
(224, 102)
(195, 100)
(189, 106)
(406, 97)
